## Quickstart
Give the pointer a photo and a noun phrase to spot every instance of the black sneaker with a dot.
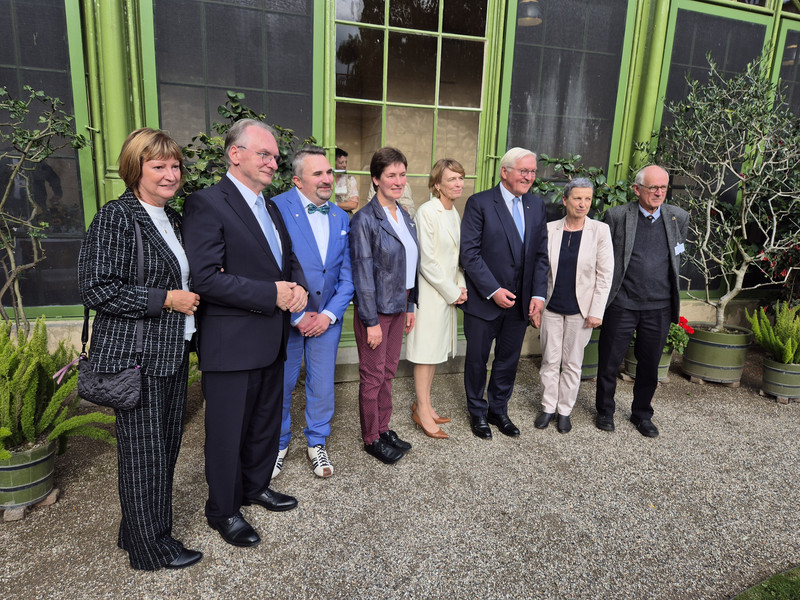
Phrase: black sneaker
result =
(390, 437)
(383, 451)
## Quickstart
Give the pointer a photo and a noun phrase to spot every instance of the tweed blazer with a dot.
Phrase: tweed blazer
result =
(623, 222)
(107, 280)
(594, 269)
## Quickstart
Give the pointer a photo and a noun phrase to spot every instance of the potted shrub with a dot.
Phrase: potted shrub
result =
(732, 146)
(677, 340)
(37, 414)
(781, 371)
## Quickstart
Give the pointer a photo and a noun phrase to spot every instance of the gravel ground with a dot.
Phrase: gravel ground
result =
(704, 511)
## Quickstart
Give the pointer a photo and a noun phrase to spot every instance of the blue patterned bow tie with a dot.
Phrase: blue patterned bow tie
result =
(324, 209)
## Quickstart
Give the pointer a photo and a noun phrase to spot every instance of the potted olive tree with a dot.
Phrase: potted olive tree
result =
(781, 372)
(733, 146)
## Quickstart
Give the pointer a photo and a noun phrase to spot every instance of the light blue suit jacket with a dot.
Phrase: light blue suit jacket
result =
(330, 285)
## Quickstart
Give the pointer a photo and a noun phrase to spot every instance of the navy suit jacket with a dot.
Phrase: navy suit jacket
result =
(330, 285)
(234, 271)
(491, 253)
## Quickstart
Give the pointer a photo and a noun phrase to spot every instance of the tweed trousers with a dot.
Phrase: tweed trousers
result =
(148, 441)
(377, 369)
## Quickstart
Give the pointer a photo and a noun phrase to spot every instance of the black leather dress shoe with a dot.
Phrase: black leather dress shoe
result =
(645, 427)
(272, 500)
(383, 452)
(543, 420)
(504, 424)
(564, 424)
(185, 559)
(390, 437)
(604, 422)
(481, 428)
(236, 531)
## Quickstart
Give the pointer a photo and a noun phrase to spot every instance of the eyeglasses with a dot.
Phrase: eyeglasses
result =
(656, 188)
(264, 156)
(524, 172)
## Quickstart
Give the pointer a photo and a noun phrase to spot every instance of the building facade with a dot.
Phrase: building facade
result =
(465, 79)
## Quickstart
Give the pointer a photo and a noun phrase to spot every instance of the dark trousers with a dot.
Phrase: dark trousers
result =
(507, 332)
(243, 426)
(148, 440)
(619, 324)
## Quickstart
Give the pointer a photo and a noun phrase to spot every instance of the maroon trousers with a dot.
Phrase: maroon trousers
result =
(377, 369)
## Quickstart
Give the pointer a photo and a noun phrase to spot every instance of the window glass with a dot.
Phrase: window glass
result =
(565, 77)
(458, 86)
(354, 10)
(790, 70)
(359, 62)
(411, 69)
(34, 52)
(419, 14)
(465, 18)
(409, 130)
(206, 47)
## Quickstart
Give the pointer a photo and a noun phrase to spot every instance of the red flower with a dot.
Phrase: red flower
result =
(684, 324)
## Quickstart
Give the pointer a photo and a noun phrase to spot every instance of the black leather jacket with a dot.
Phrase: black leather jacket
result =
(379, 264)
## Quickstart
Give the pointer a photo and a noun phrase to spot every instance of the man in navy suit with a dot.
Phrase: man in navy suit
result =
(504, 257)
(241, 257)
(320, 237)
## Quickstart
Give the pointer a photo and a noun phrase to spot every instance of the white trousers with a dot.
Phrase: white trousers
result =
(563, 339)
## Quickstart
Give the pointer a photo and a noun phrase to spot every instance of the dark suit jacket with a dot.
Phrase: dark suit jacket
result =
(623, 222)
(107, 279)
(490, 253)
(234, 271)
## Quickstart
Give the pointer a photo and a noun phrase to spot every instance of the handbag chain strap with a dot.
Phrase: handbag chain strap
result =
(140, 281)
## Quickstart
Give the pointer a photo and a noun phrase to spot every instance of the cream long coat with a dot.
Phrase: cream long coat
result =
(595, 265)
(434, 335)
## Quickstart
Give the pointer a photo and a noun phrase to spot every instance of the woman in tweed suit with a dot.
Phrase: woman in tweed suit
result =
(149, 435)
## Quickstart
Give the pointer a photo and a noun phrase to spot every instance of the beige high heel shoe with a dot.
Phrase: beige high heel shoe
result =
(437, 420)
(438, 434)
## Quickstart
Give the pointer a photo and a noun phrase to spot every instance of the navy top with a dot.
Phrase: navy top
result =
(563, 300)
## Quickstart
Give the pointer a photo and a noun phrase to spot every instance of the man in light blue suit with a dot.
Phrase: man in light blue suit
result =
(320, 239)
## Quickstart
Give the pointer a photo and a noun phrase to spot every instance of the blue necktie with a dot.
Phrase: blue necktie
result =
(518, 218)
(266, 227)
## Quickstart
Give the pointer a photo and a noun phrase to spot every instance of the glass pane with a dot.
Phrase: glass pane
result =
(359, 62)
(790, 70)
(465, 18)
(461, 74)
(409, 130)
(39, 30)
(457, 137)
(414, 14)
(242, 25)
(194, 46)
(411, 69)
(358, 132)
(354, 10)
(565, 77)
(732, 45)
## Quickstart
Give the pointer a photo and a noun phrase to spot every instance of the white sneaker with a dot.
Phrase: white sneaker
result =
(320, 461)
(279, 462)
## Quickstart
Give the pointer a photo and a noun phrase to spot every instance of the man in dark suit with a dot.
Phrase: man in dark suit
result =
(320, 237)
(648, 238)
(504, 256)
(241, 257)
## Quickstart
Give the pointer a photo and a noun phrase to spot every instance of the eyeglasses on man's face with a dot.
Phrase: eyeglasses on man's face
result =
(524, 172)
(264, 156)
(655, 188)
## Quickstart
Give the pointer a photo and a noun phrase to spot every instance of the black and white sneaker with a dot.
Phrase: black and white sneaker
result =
(320, 461)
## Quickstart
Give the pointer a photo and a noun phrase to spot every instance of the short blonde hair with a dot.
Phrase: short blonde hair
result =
(142, 145)
(438, 171)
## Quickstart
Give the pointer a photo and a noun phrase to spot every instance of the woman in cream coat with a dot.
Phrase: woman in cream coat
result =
(579, 280)
(441, 289)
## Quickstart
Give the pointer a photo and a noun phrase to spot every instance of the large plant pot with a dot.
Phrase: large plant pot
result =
(630, 362)
(781, 380)
(716, 356)
(590, 360)
(27, 477)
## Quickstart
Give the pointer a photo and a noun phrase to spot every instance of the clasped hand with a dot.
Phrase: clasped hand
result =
(291, 297)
